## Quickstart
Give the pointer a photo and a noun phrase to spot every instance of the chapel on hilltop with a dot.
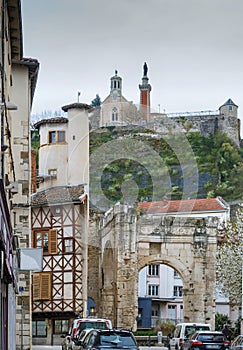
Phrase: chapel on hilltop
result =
(116, 110)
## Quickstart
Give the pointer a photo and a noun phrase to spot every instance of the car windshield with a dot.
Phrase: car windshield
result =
(117, 339)
(93, 325)
(191, 329)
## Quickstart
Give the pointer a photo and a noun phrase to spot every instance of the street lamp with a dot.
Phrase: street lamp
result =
(92, 311)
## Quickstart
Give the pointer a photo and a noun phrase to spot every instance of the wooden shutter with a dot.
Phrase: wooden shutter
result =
(36, 286)
(42, 286)
(46, 286)
(53, 242)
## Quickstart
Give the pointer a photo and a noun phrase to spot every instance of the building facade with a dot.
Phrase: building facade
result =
(59, 227)
(18, 81)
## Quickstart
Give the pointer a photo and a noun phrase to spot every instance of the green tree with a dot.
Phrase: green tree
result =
(220, 320)
(96, 102)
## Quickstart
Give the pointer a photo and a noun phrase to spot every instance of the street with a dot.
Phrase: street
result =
(58, 347)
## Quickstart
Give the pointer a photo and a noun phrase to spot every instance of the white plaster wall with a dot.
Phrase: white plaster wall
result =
(78, 146)
(45, 128)
(52, 156)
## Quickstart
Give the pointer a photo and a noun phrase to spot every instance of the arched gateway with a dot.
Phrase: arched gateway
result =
(129, 239)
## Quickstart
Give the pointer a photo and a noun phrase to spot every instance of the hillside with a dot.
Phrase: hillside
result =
(141, 165)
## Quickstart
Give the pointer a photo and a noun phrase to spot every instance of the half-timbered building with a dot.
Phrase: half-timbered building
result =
(59, 290)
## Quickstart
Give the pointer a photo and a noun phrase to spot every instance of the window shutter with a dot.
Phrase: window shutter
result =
(42, 286)
(36, 286)
(53, 242)
(46, 286)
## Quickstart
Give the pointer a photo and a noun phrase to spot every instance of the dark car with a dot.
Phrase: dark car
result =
(109, 339)
(237, 343)
(206, 340)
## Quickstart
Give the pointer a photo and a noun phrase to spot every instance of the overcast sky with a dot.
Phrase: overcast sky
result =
(193, 49)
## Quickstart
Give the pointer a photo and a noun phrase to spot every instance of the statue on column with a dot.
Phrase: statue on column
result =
(145, 69)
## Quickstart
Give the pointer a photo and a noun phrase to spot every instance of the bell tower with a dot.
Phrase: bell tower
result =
(116, 86)
(145, 89)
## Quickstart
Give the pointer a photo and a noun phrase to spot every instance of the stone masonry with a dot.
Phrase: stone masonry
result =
(128, 241)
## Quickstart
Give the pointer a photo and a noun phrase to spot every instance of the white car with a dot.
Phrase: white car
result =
(182, 332)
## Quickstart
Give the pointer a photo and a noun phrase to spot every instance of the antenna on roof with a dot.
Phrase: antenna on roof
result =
(79, 93)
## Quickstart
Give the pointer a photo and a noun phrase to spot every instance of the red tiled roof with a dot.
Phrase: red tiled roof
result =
(183, 206)
(54, 120)
(58, 194)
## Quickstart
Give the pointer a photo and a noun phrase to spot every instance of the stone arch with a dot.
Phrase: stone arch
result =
(188, 246)
(196, 267)
(177, 265)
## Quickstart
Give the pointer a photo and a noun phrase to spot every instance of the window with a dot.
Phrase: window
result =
(177, 291)
(60, 326)
(155, 313)
(181, 313)
(68, 244)
(153, 290)
(172, 313)
(39, 328)
(46, 239)
(56, 211)
(61, 136)
(56, 136)
(52, 172)
(153, 270)
(42, 286)
(114, 114)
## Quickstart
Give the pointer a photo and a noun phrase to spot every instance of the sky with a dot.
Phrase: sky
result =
(193, 49)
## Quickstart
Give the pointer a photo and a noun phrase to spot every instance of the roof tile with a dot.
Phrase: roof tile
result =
(183, 206)
(58, 194)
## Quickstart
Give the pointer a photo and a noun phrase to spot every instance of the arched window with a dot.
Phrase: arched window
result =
(114, 115)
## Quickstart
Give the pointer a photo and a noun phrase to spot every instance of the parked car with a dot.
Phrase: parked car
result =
(237, 343)
(80, 324)
(81, 336)
(109, 339)
(204, 340)
(183, 331)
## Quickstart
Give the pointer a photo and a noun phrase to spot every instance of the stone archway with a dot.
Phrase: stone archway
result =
(186, 244)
